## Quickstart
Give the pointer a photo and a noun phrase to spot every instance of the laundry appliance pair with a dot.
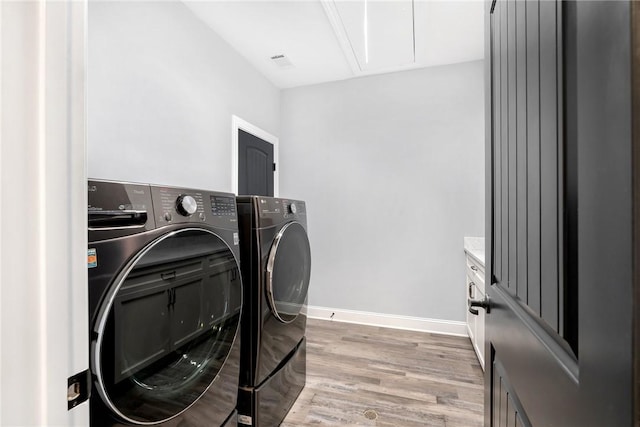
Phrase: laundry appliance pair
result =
(166, 297)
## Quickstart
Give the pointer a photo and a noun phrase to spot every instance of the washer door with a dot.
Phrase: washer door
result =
(167, 326)
(288, 272)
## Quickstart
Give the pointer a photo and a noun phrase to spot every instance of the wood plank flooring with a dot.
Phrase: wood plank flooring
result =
(366, 375)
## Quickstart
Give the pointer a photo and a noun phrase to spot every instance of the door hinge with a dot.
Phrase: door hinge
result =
(274, 167)
(78, 389)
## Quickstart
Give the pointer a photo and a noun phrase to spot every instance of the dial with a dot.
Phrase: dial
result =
(186, 205)
(293, 208)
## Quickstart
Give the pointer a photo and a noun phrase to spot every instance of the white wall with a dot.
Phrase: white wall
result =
(404, 147)
(162, 89)
(392, 169)
(43, 234)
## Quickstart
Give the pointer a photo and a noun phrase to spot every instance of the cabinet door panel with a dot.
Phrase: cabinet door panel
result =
(511, 146)
(521, 149)
(533, 154)
(496, 144)
(549, 164)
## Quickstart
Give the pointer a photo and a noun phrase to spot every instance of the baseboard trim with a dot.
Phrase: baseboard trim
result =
(434, 326)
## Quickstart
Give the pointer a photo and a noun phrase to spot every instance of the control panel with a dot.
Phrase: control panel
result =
(179, 206)
(186, 205)
(175, 205)
(280, 209)
(223, 205)
(120, 209)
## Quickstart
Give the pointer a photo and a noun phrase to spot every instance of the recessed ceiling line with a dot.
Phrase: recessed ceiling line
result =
(331, 11)
(366, 32)
(413, 20)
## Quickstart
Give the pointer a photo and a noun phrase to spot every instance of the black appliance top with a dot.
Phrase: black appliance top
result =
(117, 209)
(271, 211)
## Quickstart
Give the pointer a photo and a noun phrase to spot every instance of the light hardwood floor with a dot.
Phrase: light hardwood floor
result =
(402, 378)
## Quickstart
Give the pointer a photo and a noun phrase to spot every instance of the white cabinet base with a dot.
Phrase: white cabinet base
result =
(475, 290)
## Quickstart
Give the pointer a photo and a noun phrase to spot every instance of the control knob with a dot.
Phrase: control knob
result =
(293, 208)
(186, 205)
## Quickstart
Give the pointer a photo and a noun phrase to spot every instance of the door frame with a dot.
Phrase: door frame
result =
(43, 153)
(239, 124)
(489, 188)
(635, 109)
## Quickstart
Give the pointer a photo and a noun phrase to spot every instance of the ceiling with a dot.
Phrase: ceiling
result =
(303, 42)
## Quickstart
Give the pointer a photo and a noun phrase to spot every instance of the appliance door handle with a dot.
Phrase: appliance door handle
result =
(117, 218)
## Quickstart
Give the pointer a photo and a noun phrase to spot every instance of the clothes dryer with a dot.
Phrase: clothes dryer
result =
(165, 298)
(276, 269)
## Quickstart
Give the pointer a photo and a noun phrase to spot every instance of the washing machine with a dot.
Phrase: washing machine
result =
(165, 300)
(276, 267)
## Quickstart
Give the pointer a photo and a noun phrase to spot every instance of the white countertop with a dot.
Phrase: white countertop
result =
(474, 246)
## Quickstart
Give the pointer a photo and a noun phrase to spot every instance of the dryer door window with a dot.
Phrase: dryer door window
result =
(167, 326)
(288, 272)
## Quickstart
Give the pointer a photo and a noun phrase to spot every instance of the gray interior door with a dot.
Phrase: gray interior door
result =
(558, 329)
(255, 165)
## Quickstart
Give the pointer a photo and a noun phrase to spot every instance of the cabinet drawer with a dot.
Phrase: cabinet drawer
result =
(474, 267)
(476, 278)
(475, 271)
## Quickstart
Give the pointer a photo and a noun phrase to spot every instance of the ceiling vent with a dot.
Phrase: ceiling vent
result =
(282, 61)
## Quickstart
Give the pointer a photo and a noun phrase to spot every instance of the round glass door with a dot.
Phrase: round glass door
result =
(288, 272)
(167, 326)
